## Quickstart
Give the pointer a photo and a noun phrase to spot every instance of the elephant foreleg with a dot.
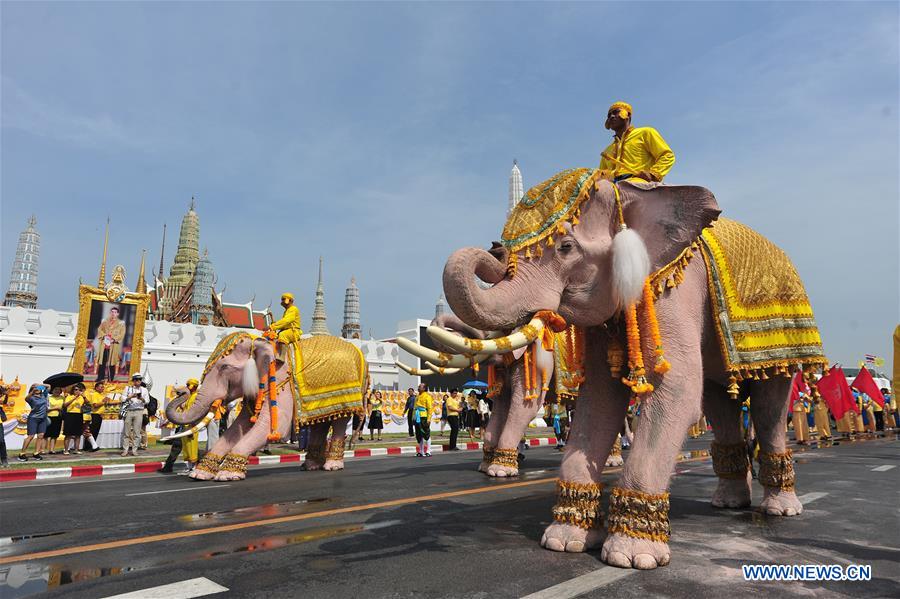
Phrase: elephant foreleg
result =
(334, 451)
(234, 464)
(492, 432)
(597, 419)
(731, 461)
(208, 467)
(768, 408)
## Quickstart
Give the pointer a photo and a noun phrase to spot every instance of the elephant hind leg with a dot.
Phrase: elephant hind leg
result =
(768, 408)
(334, 451)
(315, 447)
(731, 460)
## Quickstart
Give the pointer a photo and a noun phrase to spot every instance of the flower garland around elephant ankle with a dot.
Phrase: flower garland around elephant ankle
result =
(505, 457)
(639, 515)
(776, 470)
(730, 460)
(578, 504)
(335, 449)
(209, 463)
(235, 463)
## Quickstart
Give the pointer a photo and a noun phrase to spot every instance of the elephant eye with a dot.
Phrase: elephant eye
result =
(566, 246)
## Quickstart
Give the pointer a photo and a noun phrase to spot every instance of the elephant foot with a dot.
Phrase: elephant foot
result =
(732, 493)
(229, 475)
(500, 471)
(629, 552)
(201, 474)
(573, 539)
(331, 465)
(233, 467)
(483, 466)
(311, 465)
(780, 502)
(614, 461)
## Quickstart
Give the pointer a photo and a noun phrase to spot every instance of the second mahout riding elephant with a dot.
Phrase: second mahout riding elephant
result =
(244, 367)
(621, 262)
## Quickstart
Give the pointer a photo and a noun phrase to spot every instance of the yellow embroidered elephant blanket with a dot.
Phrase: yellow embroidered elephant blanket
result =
(328, 378)
(760, 308)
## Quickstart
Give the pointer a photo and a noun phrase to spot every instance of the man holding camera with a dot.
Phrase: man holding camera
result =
(134, 401)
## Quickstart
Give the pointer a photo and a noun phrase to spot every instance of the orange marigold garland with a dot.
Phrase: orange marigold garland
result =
(637, 375)
(662, 365)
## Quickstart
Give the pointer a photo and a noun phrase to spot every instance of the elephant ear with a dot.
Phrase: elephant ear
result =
(261, 355)
(667, 217)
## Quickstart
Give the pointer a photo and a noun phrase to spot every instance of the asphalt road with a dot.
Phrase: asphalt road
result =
(411, 527)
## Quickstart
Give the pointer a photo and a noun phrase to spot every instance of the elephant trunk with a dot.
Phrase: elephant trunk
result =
(507, 304)
(195, 413)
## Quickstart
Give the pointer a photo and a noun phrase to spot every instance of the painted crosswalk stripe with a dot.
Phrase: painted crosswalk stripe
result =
(194, 587)
(810, 497)
(582, 585)
(884, 468)
(194, 488)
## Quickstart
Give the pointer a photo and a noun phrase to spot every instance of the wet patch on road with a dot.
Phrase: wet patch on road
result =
(254, 512)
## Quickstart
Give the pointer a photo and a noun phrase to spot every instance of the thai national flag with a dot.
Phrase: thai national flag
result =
(870, 359)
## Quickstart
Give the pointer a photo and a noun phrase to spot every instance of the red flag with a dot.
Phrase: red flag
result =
(798, 386)
(865, 383)
(837, 395)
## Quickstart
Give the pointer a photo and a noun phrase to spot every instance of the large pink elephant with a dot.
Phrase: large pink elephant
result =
(233, 373)
(586, 269)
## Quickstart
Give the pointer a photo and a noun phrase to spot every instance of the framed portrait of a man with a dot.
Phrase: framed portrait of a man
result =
(110, 335)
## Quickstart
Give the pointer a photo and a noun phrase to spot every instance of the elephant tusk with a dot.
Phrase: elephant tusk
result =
(414, 371)
(440, 358)
(191, 430)
(526, 335)
(440, 369)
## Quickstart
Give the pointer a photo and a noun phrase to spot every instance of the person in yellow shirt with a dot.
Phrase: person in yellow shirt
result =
(73, 421)
(636, 153)
(454, 405)
(801, 426)
(97, 399)
(54, 412)
(823, 423)
(190, 445)
(422, 419)
(288, 328)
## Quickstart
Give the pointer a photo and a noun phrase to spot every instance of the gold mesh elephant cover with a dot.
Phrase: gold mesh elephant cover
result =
(329, 374)
(760, 308)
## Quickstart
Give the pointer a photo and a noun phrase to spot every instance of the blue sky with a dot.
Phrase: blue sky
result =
(381, 136)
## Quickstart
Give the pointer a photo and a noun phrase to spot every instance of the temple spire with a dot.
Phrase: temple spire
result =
(22, 289)
(440, 306)
(516, 187)
(162, 252)
(101, 279)
(141, 283)
(351, 327)
(319, 326)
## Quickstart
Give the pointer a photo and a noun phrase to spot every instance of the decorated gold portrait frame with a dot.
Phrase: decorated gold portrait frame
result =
(93, 300)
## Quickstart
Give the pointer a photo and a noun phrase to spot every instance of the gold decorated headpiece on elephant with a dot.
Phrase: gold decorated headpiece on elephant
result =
(542, 213)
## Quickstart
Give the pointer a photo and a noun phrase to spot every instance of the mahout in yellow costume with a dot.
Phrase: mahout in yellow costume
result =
(636, 153)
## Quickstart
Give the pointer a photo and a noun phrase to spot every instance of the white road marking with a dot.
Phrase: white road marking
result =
(884, 468)
(582, 584)
(195, 488)
(195, 587)
(810, 497)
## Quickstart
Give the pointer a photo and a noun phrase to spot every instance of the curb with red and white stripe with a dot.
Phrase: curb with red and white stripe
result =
(266, 460)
